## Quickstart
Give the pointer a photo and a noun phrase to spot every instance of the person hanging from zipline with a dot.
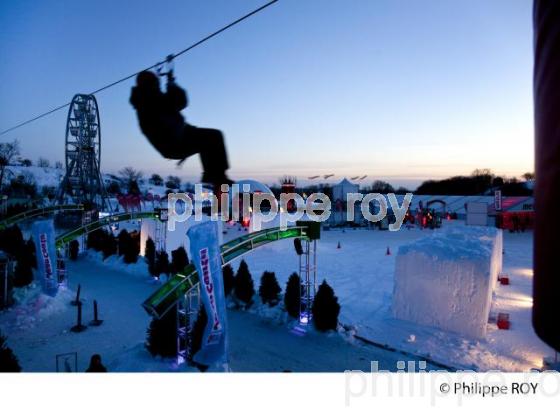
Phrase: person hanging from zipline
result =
(160, 119)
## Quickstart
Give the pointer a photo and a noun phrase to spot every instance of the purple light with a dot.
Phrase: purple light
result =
(304, 318)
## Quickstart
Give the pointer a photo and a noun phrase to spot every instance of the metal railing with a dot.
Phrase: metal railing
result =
(33, 213)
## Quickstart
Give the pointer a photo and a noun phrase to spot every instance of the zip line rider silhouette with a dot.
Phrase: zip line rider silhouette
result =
(160, 119)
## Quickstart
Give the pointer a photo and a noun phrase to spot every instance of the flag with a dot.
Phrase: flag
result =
(45, 250)
(205, 254)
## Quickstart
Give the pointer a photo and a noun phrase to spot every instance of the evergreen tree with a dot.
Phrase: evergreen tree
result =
(94, 240)
(129, 246)
(325, 308)
(162, 335)
(244, 286)
(30, 252)
(229, 279)
(74, 249)
(150, 256)
(6, 282)
(124, 242)
(162, 263)
(292, 297)
(131, 256)
(23, 273)
(8, 360)
(11, 241)
(269, 288)
(109, 245)
(179, 260)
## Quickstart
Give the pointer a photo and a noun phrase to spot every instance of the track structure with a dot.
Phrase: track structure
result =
(67, 237)
(166, 297)
(182, 291)
(38, 212)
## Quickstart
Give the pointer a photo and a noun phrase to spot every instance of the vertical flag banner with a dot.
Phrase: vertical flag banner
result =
(205, 254)
(45, 250)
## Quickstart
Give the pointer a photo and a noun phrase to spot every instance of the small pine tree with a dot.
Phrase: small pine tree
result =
(162, 335)
(23, 273)
(8, 360)
(129, 246)
(74, 249)
(150, 256)
(95, 240)
(134, 247)
(229, 279)
(30, 252)
(109, 245)
(179, 260)
(292, 297)
(244, 286)
(325, 308)
(269, 288)
(123, 240)
(11, 241)
(162, 263)
(6, 282)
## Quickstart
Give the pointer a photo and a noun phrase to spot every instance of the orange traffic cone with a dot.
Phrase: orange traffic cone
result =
(338, 246)
(388, 251)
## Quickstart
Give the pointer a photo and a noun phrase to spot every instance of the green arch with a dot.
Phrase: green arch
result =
(33, 213)
(100, 223)
(165, 298)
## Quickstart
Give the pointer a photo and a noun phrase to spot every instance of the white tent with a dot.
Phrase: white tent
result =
(342, 189)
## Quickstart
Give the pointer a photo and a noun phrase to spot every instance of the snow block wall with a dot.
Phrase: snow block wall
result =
(446, 280)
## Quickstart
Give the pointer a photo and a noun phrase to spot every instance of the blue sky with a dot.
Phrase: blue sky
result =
(399, 90)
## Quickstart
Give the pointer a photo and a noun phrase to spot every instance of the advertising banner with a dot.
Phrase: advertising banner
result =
(205, 254)
(45, 250)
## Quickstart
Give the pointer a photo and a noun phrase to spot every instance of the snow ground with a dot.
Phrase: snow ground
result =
(256, 342)
(361, 275)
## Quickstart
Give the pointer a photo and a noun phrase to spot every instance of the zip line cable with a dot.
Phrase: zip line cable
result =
(169, 58)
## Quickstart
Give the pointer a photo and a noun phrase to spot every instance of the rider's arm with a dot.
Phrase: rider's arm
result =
(176, 97)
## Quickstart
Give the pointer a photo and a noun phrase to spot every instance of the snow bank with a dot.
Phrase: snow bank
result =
(446, 280)
(32, 306)
(43, 176)
(115, 262)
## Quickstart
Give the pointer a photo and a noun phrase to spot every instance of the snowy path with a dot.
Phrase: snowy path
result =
(256, 343)
(119, 296)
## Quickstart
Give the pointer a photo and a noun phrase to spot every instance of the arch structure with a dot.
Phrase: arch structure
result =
(34, 213)
(167, 296)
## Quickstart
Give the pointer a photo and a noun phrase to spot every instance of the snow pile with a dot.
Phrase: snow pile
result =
(446, 280)
(42, 176)
(33, 306)
(115, 262)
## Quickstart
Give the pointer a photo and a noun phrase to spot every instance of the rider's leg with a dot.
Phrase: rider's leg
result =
(209, 143)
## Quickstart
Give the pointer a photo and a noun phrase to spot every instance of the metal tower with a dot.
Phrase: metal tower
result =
(308, 280)
(82, 181)
(187, 311)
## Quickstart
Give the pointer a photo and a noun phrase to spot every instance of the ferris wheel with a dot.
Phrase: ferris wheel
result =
(83, 180)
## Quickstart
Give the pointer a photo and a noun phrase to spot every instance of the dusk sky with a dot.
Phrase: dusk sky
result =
(398, 90)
